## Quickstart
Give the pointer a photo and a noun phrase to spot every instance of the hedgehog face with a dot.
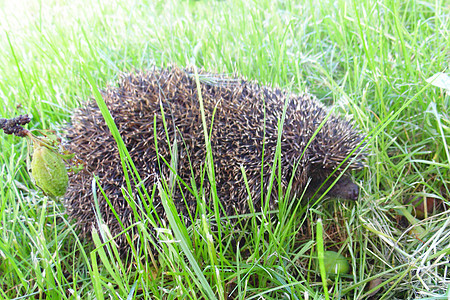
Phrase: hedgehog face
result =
(344, 188)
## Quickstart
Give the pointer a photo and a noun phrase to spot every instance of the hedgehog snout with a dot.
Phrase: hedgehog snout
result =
(345, 188)
(353, 192)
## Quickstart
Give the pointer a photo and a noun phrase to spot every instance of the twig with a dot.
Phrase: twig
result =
(13, 126)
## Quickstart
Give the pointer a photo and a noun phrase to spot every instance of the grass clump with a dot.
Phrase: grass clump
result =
(367, 59)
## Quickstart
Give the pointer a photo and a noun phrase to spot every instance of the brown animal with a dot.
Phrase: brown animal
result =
(158, 110)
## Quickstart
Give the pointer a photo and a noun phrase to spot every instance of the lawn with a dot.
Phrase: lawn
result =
(367, 60)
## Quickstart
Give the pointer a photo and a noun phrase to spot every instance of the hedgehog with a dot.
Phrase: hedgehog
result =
(159, 110)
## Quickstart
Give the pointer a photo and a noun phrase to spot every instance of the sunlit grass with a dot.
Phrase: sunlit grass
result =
(367, 59)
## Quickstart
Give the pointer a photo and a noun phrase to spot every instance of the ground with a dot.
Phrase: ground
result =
(367, 60)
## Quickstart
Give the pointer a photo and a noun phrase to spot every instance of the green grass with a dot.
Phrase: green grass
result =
(367, 59)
